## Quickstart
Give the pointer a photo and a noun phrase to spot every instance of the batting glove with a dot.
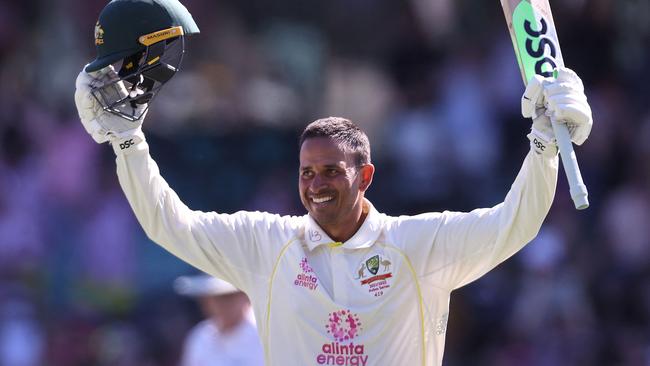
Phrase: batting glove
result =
(104, 126)
(564, 100)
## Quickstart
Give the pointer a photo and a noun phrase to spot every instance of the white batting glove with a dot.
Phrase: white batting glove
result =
(563, 99)
(567, 103)
(104, 126)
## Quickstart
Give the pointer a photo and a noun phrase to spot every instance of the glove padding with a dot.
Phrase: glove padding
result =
(562, 99)
(103, 126)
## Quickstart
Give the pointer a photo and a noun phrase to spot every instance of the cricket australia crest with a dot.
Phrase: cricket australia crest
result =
(379, 274)
(373, 264)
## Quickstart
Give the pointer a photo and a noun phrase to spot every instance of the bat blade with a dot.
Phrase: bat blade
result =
(534, 38)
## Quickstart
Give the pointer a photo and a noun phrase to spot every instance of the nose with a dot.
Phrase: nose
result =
(319, 183)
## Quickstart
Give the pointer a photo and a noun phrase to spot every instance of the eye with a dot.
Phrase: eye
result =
(331, 172)
(306, 174)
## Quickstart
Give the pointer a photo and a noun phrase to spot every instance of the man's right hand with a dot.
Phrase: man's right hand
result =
(102, 125)
(562, 98)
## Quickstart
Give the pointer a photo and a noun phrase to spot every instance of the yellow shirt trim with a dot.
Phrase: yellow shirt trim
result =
(267, 345)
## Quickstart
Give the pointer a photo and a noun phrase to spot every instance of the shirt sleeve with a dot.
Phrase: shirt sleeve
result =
(453, 249)
(238, 248)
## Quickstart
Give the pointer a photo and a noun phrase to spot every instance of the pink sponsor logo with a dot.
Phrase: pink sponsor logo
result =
(343, 326)
(306, 278)
(304, 265)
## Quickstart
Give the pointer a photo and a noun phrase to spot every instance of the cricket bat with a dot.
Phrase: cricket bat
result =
(537, 48)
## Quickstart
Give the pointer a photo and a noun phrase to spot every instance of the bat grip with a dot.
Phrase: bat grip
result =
(577, 187)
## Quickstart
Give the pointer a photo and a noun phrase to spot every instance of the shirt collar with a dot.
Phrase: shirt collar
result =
(363, 238)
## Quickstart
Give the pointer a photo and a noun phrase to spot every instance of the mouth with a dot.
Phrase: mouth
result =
(322, 199)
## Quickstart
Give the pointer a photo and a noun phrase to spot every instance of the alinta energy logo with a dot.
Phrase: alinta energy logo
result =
(306, 278)
(343, 326)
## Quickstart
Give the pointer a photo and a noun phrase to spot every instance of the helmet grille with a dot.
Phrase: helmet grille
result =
(140, 77)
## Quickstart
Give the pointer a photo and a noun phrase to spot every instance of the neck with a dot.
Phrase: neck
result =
(344, 231)
(229, 326)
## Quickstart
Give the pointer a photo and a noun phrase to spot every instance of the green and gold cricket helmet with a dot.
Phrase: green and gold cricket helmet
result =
(144, 40)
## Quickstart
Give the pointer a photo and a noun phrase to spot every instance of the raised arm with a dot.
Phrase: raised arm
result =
(454, 248)
(237, 247)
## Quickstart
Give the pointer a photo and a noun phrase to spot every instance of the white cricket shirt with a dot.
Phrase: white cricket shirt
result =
(380, 298)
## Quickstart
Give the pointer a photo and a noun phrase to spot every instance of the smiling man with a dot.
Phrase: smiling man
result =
(343, 284)
(346, 284)
(335, 171)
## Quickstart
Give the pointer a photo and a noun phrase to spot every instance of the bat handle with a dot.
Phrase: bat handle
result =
(577, 187)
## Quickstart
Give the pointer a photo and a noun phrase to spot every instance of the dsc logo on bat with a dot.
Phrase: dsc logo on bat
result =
(538, 51)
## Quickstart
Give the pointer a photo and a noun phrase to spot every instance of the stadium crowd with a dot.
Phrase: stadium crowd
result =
(436, 86)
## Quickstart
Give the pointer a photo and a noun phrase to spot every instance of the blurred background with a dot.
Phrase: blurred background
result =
(436, 86)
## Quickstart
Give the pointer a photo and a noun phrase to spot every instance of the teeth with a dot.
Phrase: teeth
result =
(321, 199)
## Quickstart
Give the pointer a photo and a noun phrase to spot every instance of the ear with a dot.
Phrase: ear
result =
(366, 173)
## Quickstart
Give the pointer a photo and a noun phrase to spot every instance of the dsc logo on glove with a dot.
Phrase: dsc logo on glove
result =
(126, 144)
(537, 143)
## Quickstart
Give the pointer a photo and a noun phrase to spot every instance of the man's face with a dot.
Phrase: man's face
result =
(331, 186)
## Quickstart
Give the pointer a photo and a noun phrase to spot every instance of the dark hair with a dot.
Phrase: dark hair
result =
(348, 135)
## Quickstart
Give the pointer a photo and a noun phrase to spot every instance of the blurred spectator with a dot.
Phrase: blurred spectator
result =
(228, 336)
